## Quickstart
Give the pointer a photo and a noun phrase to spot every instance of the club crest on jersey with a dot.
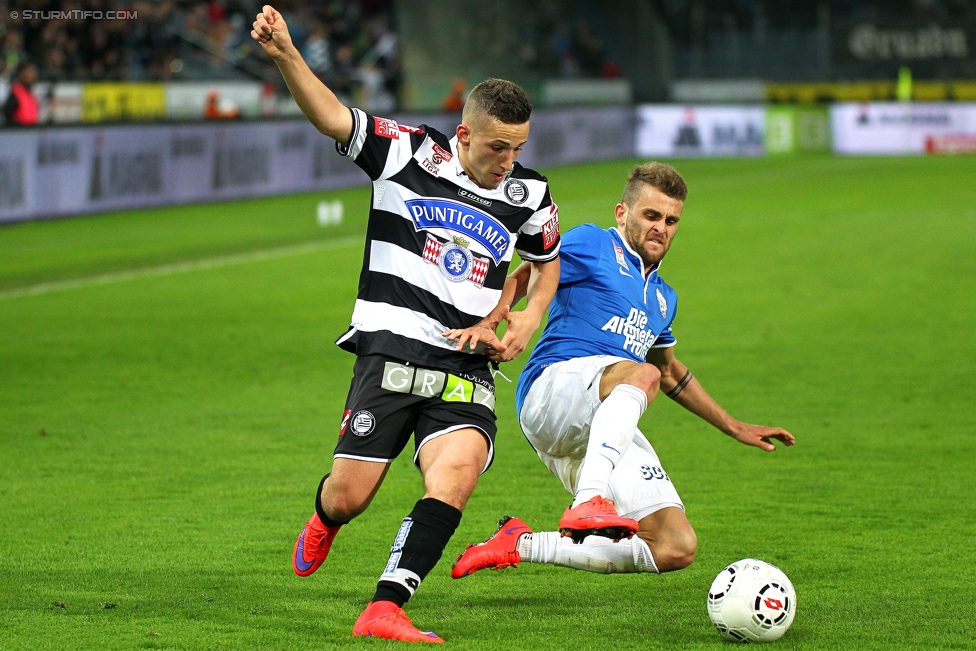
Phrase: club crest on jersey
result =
(516, 191)
(662, 304)
(455, 261)
(464, 219)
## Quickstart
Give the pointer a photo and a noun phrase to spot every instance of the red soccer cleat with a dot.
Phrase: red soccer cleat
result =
(312, 546)
(496, 553)
(596, 517)
(387, 620)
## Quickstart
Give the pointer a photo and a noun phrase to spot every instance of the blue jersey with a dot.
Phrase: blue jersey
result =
(604, 305)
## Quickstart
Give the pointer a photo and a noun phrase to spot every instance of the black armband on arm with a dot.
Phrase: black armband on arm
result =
(673, 393)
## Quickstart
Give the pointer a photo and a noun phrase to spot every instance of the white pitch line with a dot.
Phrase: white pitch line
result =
(180, 267)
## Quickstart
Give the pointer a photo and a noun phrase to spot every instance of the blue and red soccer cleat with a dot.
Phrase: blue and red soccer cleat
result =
(312, 546)
(387, 620)
(596, 517)
(496, 553)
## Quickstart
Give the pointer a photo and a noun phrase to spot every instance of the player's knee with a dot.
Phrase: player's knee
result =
(452, 483)
(646, 377)
(678, 552)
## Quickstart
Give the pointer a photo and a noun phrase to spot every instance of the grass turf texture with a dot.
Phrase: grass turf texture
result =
(161, 436)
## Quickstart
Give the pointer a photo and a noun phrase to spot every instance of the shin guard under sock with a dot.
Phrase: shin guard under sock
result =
(416, 549)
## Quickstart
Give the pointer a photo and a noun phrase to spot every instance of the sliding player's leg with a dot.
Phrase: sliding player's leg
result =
(664, 542)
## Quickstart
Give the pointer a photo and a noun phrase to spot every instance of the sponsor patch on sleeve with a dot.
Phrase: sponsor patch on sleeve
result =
(550, 230)
(386, 128)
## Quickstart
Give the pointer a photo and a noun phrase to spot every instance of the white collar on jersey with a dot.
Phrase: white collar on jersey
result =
(640, 260)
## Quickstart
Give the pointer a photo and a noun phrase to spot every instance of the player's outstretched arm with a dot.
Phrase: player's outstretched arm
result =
(680, 385)
(319, 104)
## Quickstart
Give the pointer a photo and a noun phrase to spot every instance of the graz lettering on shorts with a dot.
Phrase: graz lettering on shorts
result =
(436, 384)
(638, 338)
(460, 217)
(653, 472)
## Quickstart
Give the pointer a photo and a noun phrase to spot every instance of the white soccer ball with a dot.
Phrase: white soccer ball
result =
(751, 601)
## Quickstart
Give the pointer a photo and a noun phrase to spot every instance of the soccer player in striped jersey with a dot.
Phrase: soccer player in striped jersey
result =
(606, 351)
(446, 216)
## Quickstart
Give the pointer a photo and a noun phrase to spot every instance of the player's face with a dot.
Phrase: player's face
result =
(650, 224)
(488, 149)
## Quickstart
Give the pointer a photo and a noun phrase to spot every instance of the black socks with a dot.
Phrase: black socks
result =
(416, 549)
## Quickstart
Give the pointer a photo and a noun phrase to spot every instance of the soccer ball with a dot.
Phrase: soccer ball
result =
(751, 601)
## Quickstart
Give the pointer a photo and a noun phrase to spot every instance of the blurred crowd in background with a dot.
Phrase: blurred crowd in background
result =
(353, 45)
(345, 42)
(348, 43)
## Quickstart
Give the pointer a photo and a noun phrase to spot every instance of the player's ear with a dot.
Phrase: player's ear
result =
(620, 212)
(464, 134)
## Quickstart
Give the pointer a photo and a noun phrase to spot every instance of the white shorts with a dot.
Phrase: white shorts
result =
(556, 418)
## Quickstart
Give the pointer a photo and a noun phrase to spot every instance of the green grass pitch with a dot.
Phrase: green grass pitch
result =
(163, 424)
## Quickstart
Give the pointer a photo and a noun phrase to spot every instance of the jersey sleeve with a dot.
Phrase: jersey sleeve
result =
(665, 339)
(538, 238)
(579, 253)
(379, 146)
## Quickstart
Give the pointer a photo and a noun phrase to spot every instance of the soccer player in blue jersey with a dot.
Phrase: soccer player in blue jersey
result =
(606, 352)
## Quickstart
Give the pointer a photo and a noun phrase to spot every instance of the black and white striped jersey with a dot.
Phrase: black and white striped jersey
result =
(438, 247)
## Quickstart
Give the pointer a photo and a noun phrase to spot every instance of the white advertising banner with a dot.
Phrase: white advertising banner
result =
(902, 128)
(677, 131)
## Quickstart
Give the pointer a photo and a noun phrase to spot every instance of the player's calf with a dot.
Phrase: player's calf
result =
(670, 537)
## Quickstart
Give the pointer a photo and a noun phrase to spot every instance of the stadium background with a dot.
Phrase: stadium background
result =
(168, 382)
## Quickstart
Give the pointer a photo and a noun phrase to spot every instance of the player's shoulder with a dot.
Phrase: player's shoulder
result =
(588, 233)
(393, 129)
(526, 174)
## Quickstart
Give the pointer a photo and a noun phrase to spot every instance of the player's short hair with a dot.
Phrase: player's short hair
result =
(657, 175)
(499, 99)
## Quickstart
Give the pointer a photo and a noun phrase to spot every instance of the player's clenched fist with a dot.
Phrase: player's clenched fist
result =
(271, 32)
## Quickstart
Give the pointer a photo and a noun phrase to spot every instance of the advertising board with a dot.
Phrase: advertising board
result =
(901, 128)
(63, 171)
(680, 131)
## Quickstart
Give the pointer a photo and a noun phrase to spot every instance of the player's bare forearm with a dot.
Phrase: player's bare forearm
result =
(519, 282)
(319, 104)
(541, 287)
(678, 383)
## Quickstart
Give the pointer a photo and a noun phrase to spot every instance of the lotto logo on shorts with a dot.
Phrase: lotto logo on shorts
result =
(386, 128)
(345, 421)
